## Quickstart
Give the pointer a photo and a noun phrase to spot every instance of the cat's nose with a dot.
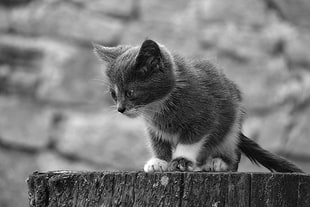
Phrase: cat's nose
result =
(121, 109)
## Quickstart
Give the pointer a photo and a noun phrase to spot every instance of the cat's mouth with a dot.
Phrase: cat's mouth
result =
(133, 113)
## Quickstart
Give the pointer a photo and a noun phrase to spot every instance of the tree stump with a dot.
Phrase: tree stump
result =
(90, 189)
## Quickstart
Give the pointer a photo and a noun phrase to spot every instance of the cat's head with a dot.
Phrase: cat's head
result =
(138, 76)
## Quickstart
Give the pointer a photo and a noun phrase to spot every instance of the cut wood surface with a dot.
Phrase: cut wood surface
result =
(90, 189)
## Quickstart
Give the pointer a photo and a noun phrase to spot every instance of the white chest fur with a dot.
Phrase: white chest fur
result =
(188, 151)
(173, 139)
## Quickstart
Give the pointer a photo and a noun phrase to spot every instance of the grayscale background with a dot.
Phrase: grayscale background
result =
(56, 114)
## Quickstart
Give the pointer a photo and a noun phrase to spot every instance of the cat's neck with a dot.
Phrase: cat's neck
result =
(155, 108)
(163, 107)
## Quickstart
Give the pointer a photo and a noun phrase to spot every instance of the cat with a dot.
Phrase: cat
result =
(193, 112)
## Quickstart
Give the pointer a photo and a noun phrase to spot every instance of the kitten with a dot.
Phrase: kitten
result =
(192, 111)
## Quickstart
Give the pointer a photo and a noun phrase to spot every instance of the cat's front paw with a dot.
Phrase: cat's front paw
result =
(216, 165)
(156, 164)
(181, 164)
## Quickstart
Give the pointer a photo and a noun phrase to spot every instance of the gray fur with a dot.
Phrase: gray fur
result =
(162, 149)
(190, 98)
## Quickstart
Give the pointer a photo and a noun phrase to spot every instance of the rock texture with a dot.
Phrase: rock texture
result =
(54, 106)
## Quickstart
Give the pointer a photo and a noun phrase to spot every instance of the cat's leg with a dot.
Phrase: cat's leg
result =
(216, 164)
(162, 154)
(181, 164)
(196, 157)
(235, 165)
(222, 162)
(156, 164)
(221, 151)
(184, 157)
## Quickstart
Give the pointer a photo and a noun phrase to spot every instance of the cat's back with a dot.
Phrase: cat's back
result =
(207, 71)
(215, 75)
(199, 69)
(205, 76)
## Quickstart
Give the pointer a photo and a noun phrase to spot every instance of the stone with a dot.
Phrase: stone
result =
(174, 38)
(20, 67)
(298, 142)
(4, 19)
(248, 12)
(42, 19)
(51, 161)
(269, 131)
(119, 8)
(243, 43)
(260, 81)
(295, 90)
(24, 123)
(258, 55)
(105, 138)
(75, 77)
(297, 50)
(165, 11)
(15, 168)
(51, 71)
(12, 3)
(170, 23)
(296, 11)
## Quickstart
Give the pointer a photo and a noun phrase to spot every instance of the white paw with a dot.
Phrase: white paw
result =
(155, 164)
(216, 165)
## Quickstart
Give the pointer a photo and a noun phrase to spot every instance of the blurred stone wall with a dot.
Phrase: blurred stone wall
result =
(54, 108)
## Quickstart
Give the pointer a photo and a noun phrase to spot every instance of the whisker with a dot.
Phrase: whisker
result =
(151, 110)
(140, 106)
(106, 91)
(101, 82)
(146, 117)
(113, 107)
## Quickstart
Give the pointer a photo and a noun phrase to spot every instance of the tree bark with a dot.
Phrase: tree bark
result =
(90, 189)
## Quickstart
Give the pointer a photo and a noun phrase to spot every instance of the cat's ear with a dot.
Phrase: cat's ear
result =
(149, 57)
(109, 54)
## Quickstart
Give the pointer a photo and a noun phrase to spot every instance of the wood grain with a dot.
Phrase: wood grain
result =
(92, 189)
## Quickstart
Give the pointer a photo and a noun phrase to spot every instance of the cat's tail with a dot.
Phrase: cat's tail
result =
(260, 156)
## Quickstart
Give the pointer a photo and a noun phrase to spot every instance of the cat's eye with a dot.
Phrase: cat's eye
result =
(113, 94)
(129, 93)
